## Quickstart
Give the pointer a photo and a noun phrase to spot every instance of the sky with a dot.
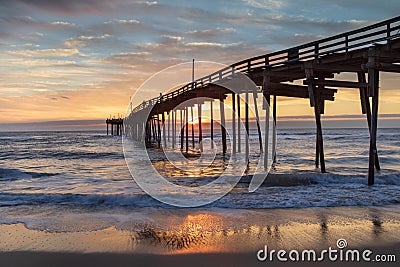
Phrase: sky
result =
(78, 61)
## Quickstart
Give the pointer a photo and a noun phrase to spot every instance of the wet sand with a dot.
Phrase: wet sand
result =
(197, 237)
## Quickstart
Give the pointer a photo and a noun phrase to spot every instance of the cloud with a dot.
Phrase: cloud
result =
(266, 4)
(209, 34)
(43, 63)
(59, 52)
(122, 21)
(82, 41)
(63, 23)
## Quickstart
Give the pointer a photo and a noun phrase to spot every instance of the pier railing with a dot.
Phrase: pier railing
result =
(341, 43)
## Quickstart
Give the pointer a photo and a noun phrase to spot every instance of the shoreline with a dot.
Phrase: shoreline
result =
(159, 231)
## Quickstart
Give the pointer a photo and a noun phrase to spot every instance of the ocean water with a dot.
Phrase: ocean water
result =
(43, 174)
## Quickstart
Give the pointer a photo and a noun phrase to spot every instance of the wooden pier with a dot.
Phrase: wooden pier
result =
(364, 52)
(115, 126)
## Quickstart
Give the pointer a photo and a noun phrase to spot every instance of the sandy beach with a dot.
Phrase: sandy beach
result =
(182, 235)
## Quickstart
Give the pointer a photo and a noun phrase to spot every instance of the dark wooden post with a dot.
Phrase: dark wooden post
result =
(373, 85)
(158, 131)
(267, 100)
(107, 127)
(234, 123)
(191, 111)
(163, 130)
(366, 109)
(239, 148)
(247, 126)
(200, 127)
(223, 129)
(169, 126)
(173, 128)
(182, 132)
(212, 123)
(187, 128)
(257, 120)
(153, 122)
(274, 132)
(315, 101)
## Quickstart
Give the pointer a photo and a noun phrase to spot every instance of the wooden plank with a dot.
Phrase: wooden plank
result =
(335, 68)
(336, 83)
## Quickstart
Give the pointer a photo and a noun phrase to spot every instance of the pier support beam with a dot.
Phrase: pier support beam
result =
(169, 126)
(163, 130)
(200, 127)
(257, 119)
(182, 132)
(234, 123)
(212, 124)
(274, 132)
(366, 109)
(239, 139)
(158, 131)
(315, 101)
(187, 128)
(267, 100)
(191, 111)
(373, 91)
(223, 129)
(247, 126)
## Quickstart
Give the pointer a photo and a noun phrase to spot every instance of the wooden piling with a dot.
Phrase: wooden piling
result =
(257, 120)
(233, 123)
(247, 126)
(158, 131)
(267, 99)
(319, 132)
(373, 86)
(212, 123)
(191, 111)
(187, 128)
(163, 130)
(182, 132)
(173, 128)
(366, 109)
(274, 131)
(238, 125)
(223, 129)
(200, 128)
(169, 126)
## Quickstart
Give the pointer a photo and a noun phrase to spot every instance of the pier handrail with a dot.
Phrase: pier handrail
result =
(344, 42)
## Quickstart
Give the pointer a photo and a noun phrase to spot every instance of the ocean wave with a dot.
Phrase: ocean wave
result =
(278, 191)
(16, 174)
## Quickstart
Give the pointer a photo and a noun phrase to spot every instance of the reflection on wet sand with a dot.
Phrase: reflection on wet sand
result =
(194, 235)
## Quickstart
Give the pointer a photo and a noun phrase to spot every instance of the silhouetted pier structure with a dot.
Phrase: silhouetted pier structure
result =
(365, 52)
(115, 126)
